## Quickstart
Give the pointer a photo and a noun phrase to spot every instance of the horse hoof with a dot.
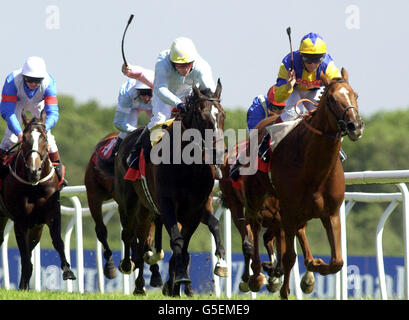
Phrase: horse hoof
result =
(150, 258)
(139, 292)
(256, 282)
(126, 268)
(273, 284)
(307, 282)
(221, 269)
(189, 290)
(110, 270)
(68, 275)
(182, 278)
(156, 282)
(244, 287)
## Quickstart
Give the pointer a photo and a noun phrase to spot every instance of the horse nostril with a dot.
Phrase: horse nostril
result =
(351, 126)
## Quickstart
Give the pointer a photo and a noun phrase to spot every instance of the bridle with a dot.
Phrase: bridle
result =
(341, 124)
(24, 155)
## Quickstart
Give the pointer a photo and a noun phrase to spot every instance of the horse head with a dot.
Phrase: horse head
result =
(341, 101)
(204, 112)
(34, 147)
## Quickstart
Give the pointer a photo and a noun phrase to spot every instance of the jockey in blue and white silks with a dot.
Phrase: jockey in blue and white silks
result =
(32, 89)
(134, 96)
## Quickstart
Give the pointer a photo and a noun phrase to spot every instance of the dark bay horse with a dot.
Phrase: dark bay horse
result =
(30, 196)
(179, 192)
(99, 183)
(308, 178)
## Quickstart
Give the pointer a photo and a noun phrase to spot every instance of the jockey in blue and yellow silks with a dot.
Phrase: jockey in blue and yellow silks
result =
(303, 82)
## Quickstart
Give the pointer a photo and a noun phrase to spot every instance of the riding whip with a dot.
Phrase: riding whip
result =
(291, 47)
(123, 37)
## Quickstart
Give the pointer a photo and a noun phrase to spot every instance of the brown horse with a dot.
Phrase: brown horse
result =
(179, 193)
(308, 178)
(233, 198)
(99, 183)
(30, 196)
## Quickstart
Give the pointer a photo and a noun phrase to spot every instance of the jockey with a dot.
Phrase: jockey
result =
(303, 81)
(134, 96)
(176, 71)
(33, 89)
(262, 107)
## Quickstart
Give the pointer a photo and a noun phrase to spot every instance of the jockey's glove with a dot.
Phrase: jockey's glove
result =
(182, 107)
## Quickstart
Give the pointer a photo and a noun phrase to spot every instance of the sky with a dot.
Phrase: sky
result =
(243, 41)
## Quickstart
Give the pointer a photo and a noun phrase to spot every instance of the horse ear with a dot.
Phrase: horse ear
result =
(344, 74)
(24, 118)
(324, 79)
(196, 91)
(218, 91)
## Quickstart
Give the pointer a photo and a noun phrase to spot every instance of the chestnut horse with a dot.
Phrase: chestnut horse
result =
(30, 196)
(233, 198)
(179, 193)
(308, 178)
(99, 183)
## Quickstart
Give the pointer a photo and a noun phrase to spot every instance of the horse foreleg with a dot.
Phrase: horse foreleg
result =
(55, 233)
(288, 261)
(257, 279)
(308, 279)
(20, 232)
(213, 224)
(273, 267)
(333, 227)
(126, 265)
(155, 233)
(176, 239)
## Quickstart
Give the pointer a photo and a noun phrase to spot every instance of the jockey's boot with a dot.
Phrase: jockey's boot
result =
(234, 171)
(133, 158)
(264, 148)
(115, 149)
(55, 159)
(342, 155)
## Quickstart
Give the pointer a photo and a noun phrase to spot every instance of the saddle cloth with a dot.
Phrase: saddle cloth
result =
(278, 132)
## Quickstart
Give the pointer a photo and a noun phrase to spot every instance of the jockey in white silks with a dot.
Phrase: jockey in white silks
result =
(32, 89)
(176, 71)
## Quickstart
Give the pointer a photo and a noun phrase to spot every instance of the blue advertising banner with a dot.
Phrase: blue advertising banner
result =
(362, 274)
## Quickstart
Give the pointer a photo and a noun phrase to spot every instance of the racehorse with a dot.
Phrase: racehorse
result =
(30, 196)
(179, 193)
(308, 178)
(99, 183)
(233, 198)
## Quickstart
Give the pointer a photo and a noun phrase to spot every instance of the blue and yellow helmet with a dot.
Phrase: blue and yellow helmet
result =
(312, 43)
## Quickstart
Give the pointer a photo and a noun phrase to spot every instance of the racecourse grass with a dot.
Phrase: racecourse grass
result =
(150, 295)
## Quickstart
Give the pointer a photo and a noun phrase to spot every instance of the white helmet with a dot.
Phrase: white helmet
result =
(183, 51)
(149, 75)
(34, 67)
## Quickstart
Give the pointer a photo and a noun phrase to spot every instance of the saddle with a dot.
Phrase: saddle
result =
(156, 134)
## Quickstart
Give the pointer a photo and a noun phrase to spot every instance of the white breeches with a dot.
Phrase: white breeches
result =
(289, 111)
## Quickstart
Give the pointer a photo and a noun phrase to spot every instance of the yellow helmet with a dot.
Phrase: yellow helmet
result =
(313, 43)
(182, 51)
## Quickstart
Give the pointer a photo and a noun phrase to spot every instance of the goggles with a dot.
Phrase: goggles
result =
(32, 80)
(145, 92)
(309, 59)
